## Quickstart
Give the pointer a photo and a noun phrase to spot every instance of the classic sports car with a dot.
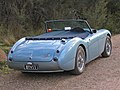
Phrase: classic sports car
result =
(67, 45)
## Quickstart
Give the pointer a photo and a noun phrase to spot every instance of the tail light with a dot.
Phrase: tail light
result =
(49, 30)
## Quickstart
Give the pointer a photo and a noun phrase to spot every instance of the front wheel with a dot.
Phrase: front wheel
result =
(79, 61)
(107, 48)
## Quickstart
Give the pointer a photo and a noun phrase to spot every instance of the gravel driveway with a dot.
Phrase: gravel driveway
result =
(100, 74)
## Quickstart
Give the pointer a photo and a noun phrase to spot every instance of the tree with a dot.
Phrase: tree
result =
(97, 14)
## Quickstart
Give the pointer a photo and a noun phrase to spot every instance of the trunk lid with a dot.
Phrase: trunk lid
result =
(38, 50)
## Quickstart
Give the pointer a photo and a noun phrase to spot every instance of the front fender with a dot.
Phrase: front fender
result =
(67, 56)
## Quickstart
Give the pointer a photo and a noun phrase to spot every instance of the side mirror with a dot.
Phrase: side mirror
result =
(94, 30)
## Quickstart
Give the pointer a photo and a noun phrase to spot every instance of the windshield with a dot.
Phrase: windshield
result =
(66, 25)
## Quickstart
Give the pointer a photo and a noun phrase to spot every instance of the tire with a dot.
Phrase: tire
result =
(108, 47)
(79, 61)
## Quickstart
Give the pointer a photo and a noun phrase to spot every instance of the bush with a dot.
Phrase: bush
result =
(4, 68)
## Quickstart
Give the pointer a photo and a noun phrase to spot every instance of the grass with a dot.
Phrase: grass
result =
(4, 68)
(5, 48)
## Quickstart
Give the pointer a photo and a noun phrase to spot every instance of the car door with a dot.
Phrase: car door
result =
(93, 46)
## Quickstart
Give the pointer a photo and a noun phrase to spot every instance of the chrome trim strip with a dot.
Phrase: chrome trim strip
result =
(43, 71)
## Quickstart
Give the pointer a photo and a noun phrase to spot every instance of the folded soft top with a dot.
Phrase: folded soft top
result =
(56, 35)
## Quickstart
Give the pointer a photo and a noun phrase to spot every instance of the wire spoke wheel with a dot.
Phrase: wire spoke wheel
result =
(108, 48)
(80, 61)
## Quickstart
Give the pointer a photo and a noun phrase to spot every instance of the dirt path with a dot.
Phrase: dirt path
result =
(101, 74)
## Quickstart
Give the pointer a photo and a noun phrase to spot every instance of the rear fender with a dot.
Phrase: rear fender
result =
(19, 42)
(67, 56)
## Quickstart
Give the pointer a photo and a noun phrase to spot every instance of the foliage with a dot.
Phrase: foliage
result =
(19, 18)
(4, 68)
(5, 48)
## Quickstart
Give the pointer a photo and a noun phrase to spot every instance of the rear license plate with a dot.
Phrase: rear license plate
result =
(31, 67)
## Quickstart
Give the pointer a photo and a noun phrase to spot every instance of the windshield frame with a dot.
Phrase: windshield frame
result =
(90, 30)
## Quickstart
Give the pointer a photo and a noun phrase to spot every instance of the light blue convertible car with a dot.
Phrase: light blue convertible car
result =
(67, 45)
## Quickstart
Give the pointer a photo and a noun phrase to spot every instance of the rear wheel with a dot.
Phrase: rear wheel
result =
(108, 47)
(79, 61)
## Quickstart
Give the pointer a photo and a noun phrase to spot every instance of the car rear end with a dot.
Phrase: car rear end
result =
(36, 56)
